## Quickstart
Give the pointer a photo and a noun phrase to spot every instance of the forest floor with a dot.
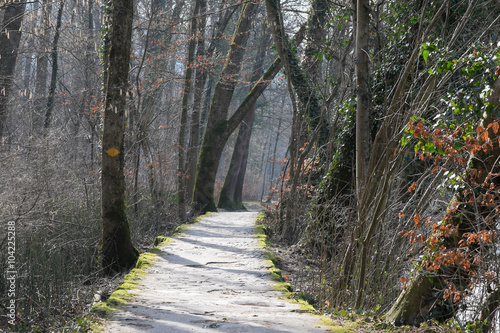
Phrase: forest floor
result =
(216, 277)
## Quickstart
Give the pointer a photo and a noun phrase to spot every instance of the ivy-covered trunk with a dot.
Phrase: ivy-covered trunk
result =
(306, 122)
(117, 251)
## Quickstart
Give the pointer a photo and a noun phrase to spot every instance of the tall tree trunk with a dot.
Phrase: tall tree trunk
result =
(240, 180)
(227, 196)
(213, 143)
(217, 36)
(117, 250)
(315, 40)
(181, 169)
(363, 93)
(10, 36)
(42, 65)
(307, 119)
(53, 78)
(206, 171)
(199, 84)
(362, 109)
(379, 174)
(275, 149)
(233, 183)
(309, 101)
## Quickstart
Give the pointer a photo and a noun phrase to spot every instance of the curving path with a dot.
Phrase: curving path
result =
(212, 278)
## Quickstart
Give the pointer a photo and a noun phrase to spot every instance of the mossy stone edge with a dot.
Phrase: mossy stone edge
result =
(122, 294)
(286, 287)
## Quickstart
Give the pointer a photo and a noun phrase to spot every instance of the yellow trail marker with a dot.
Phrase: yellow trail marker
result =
(112, 151)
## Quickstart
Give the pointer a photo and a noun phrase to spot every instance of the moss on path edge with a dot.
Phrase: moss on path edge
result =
(123, 294)
(286, 287)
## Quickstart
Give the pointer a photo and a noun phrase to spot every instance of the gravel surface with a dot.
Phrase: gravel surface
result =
(212, 278)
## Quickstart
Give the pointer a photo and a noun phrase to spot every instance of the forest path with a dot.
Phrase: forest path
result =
(213, 277)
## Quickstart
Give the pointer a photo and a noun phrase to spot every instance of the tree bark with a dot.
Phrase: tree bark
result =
(363, 94)
(199, 84)
(203, 196)
(42, 65)
(310, 102)
(231, 193)
(227, 197)
(117, 250)
(315, 40)
(53, 78)
(181, 169)
(213, 142)
(10, 36)
(363, 138)
(306, 120)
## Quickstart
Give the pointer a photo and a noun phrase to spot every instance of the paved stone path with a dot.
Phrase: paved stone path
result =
(212, 278)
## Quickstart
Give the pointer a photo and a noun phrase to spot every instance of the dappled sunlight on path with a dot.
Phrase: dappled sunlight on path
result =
(212, 278)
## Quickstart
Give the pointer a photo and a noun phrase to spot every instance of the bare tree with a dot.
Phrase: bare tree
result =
(215, 133)
(117, 250)
(230, 196)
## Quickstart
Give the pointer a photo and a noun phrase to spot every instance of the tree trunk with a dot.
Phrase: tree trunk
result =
(117, 250)
(10, 36)
(310, 102)
(362, 111)
(363, 94)
(181, 169)
(280, 120)
(213, 142)
(42, 65)
(315, 40)
(227, 197)
(306, 120)
(206, 171)
(231, 193)
(199, 84)
(53, 78)
(217, 36)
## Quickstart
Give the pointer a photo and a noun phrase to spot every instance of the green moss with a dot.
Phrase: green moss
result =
(160, 239)
(102, 309)
(146, 260)
(336, 328)
(304, 305)
(285, 287)
(122, 294)
(127, 286)
(120, 297)
(262, 236)
(276, 273)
